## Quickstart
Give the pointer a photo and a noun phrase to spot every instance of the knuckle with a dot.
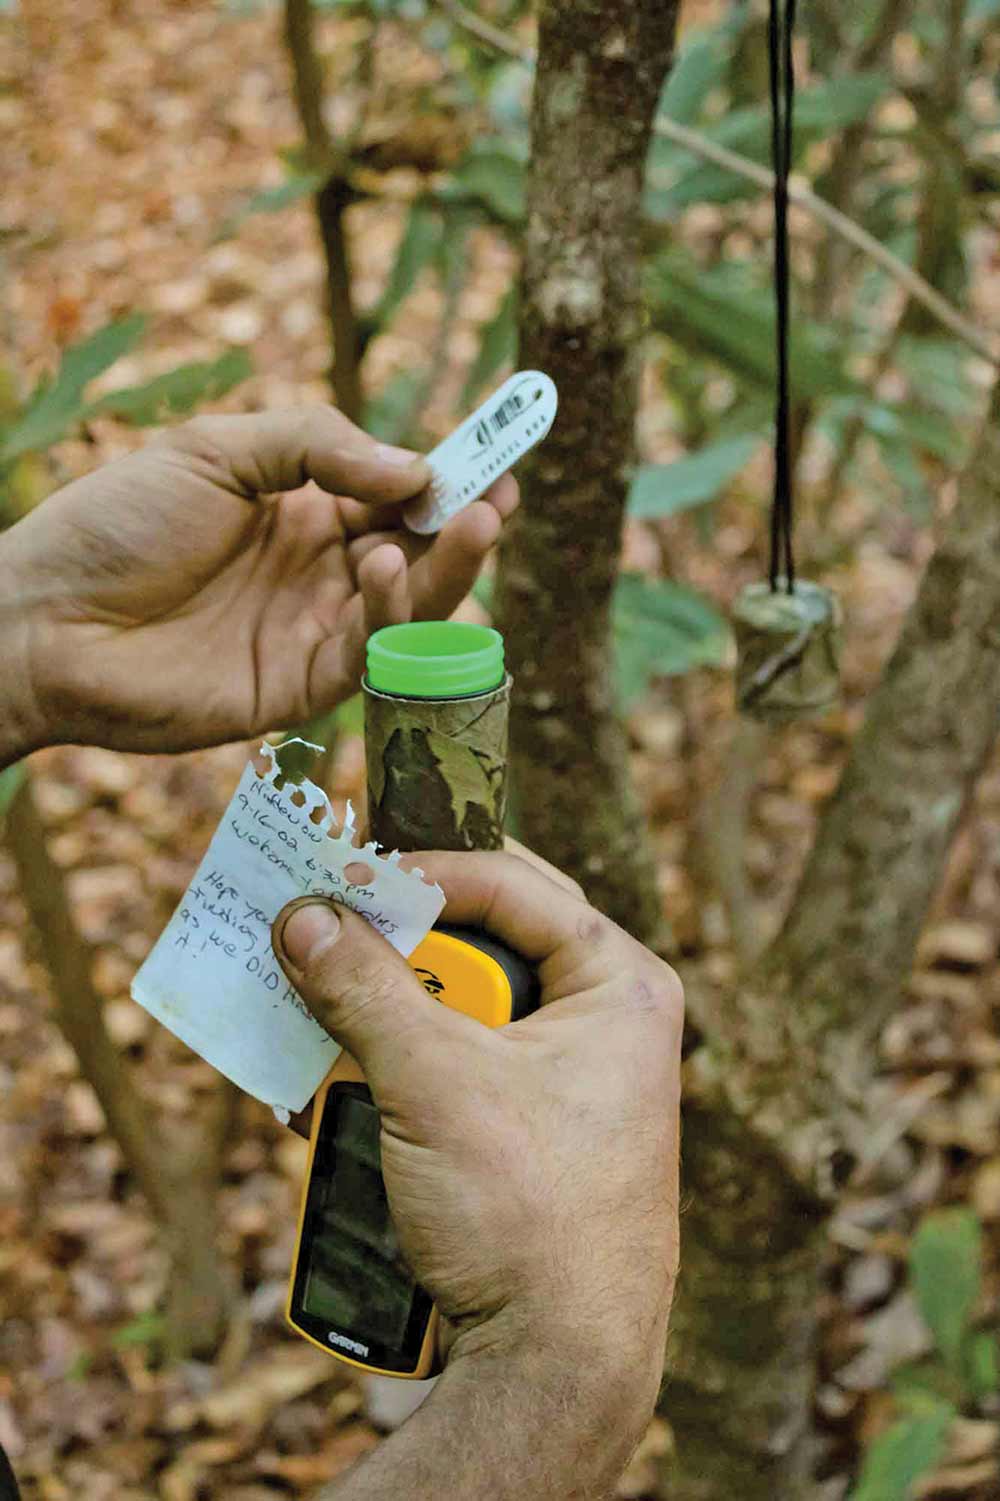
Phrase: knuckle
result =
(592, 927)
(325, 418)
(505, 864)
(357, 985)
(656, 992)
(503, 870)
(195, 440)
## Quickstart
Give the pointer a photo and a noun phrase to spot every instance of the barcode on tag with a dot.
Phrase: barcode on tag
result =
(483, 447)
(506, 412)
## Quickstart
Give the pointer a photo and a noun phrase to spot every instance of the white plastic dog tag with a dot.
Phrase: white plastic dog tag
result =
(500, 432)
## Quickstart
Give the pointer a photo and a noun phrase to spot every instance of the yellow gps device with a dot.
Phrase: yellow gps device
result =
(351, 1292)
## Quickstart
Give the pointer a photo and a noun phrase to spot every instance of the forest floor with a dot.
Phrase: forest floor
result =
(131, 132)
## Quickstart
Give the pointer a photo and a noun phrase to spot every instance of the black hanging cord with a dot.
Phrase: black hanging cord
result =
(781, 24)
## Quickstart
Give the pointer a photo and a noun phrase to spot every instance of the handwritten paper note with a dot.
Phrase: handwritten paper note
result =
(212, 977)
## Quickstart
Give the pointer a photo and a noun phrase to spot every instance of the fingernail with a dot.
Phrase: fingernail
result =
(308, 932)
(399, 457)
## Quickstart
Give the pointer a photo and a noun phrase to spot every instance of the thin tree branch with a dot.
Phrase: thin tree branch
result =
(307, 75)
(182, 1202)
(888, 25)
(722, 826)
(985, 344)
(483, 31)
(330, 202)
(803, 197)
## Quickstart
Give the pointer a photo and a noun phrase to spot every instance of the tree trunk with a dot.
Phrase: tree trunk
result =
(793, 1057)
(181, 1194)
(601, 66)
(740, 1358)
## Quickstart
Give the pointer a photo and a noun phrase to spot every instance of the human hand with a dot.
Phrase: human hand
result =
(531, 1171)
(176, 599)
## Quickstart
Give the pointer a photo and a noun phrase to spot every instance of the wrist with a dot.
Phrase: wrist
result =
(580, 1399)
(541, 1422)
(619, 1336)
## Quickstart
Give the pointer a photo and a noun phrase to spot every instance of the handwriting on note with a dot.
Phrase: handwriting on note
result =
(212, 977)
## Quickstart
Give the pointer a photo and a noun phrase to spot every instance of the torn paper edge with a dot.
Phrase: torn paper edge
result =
(314, 797)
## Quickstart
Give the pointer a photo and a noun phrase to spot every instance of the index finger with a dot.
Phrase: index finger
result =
(265, 452)
(520, 904)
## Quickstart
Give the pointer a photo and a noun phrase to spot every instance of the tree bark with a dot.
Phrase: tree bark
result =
(792, 1058)
(180, 1191)
(601, 65)
(741, 1353)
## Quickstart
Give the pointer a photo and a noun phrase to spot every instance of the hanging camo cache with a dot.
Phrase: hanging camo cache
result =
(787, 650)
(786, 629)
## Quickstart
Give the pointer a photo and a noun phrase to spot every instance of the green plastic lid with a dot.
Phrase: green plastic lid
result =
(435, 659)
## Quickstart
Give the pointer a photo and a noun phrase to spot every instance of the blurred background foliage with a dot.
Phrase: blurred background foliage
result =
(886, 399)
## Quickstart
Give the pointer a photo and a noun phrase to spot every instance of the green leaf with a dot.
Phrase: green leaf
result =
(946, 1272)
(677, 178)
(721, 311)
(482, 592)
(420, 242)
(451, 258)
(146, 1329)
(175, 393)
(915, 424)
(497, 347)
(495, 178)
(901, 460)
(297, 757)
(939, 369)
(388, 415)
(11, 779)
(665, 489)
(298, 184)
(324, 730)
(701, 65)
(80, 1366)
(923, 1378)
(409, 10)
(349, 717)
(982, 1363)
(55, 406)
(839, 102)
(903, 1454)
(662, 629)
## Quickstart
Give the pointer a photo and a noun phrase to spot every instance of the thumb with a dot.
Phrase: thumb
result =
(363, 993)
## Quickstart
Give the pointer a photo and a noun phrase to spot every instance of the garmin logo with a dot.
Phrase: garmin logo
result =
(431, 982)
(343, 1343)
